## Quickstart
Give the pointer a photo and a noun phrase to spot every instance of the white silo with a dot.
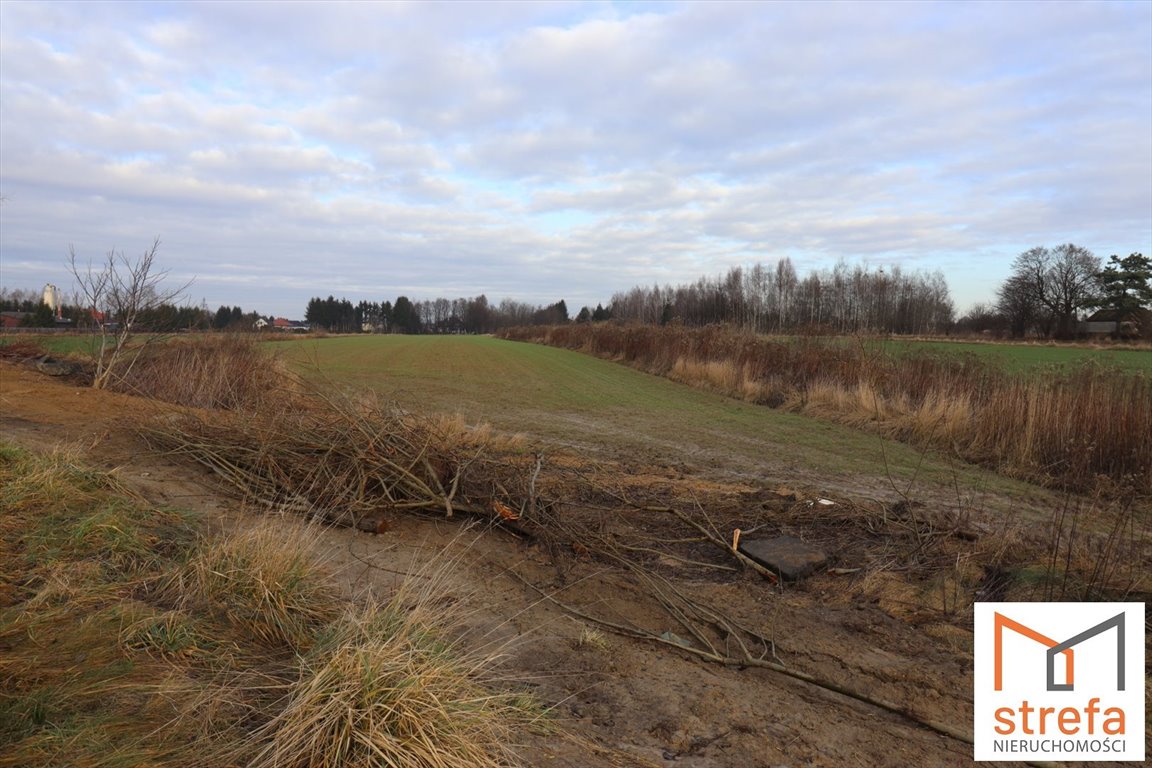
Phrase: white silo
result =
(52, 299)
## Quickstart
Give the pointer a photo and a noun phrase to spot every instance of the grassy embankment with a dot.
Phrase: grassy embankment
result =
(131, 636)
(1072, 428)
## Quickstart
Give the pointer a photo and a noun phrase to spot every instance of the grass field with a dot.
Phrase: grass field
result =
(1015, 357)
(576, 399)
(1021, 357)
(55, 343)
(584, 402)
(73, 344)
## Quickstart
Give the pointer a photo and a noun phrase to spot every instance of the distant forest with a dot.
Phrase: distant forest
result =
(761, 299)
(775, 299)
(473, 315)
(1047, 295)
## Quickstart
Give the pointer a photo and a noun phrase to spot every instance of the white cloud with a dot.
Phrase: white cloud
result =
(566, 149)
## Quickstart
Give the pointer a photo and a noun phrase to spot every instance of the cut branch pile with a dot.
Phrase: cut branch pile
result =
(708, 632)
(342, 460)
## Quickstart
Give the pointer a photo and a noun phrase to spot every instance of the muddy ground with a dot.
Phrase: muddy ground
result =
(882, 620)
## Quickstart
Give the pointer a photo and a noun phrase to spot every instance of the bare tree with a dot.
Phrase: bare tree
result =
(117, 292)
(1061, 281)
(1017, 301)
(1073, 285)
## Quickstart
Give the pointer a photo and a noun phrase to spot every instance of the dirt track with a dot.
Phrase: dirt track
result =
(621, 701)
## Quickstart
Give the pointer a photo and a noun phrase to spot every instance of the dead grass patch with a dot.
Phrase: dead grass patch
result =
(130, 641)
(266, 581)
(385, 688)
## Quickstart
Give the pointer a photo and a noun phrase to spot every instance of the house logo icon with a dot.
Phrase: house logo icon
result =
(1058, 682)
(1065, 649)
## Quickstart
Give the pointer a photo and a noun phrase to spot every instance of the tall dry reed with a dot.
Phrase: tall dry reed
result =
(1071, 428)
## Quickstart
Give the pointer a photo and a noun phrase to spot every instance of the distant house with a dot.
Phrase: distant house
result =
(12, 319)
(290, 326)
(1115, 324)
(260, 324)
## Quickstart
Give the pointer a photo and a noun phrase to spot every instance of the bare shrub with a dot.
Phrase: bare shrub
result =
(1092, 548)
(229, 371)
(117, 293)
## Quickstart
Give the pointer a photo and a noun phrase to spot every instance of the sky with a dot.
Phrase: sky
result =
(565, 150)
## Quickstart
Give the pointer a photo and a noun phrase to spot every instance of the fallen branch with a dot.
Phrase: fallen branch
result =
(745, 661)
(339, 460)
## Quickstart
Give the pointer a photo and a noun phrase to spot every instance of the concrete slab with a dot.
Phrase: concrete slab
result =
(789, 557)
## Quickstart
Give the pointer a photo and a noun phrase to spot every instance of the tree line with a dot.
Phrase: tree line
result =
(775, 299)
(1051, 289)
(1047, 294)
(760, 298)
(165, 317)
(464, 315)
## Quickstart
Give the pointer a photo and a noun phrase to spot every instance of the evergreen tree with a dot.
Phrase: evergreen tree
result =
(404, 317)
(41, 317)
(1126, 284)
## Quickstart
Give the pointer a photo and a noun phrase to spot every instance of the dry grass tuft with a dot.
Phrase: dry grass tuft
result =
(163, 633)
(266, 581)
(386, 689)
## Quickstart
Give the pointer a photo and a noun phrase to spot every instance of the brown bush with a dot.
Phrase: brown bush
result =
(227, 371)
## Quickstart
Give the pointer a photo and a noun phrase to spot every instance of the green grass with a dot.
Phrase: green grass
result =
(583, 402)
(1013, 356)
(76, 344)
(59, 344)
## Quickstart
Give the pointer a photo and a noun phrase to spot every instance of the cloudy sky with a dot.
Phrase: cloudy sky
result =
(569, 150)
